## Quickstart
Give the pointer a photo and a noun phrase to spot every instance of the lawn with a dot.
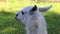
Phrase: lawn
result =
(8, 24)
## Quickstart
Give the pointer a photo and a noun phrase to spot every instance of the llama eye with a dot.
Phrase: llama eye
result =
(22, 13)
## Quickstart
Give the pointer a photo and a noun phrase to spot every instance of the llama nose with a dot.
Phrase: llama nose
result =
(16, 18)
(16, 15)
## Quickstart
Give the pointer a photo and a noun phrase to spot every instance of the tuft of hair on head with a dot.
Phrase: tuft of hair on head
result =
(34, 8)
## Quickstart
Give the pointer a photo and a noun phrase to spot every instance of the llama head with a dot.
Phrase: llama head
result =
(25, 14)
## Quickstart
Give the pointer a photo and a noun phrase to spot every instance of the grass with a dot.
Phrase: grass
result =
(8, 24)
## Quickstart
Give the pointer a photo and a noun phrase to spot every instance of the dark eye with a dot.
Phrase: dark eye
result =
(23, 13)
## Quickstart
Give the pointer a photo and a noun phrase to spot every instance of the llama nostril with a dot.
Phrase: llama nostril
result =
(16, 14)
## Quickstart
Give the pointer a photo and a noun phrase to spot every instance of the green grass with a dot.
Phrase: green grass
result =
(8, 24)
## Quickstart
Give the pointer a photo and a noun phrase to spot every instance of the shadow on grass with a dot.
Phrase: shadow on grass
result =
(53, 22)
(8, 24)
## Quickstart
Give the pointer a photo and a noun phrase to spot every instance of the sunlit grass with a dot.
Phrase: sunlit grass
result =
(15, 6)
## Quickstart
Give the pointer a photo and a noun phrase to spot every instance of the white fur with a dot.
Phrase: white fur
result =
(35, 23)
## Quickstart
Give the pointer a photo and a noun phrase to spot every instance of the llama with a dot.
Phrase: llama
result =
(33, 19)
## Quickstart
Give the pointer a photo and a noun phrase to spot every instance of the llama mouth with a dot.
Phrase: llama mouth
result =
(16, 19)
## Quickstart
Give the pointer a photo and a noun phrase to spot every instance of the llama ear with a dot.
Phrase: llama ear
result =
(44, 8)
(34, 8)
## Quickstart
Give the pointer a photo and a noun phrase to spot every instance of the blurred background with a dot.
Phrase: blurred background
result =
(8, 9)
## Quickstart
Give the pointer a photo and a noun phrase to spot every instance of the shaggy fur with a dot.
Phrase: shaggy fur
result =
(33, 19)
